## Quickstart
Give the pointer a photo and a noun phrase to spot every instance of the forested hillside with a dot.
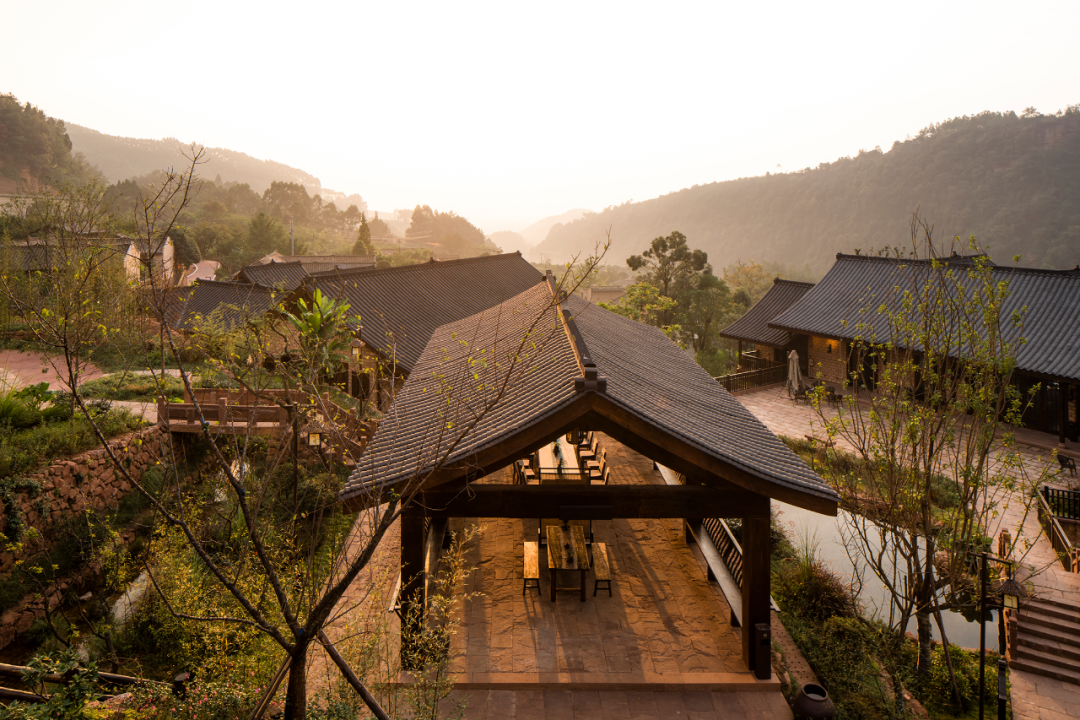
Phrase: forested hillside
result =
(33, 146)
(121, 158)
(1012, 181)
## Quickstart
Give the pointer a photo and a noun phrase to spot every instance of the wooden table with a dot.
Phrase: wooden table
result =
(562, 558)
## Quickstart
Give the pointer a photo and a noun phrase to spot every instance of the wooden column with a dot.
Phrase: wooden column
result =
(412, 567)
(756, 610)
(1063, 414)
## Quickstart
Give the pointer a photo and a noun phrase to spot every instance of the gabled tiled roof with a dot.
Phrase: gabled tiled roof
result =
(280, 275)
(1049, 299)
(754, 325)
(401, 307)
(213, 305)
(647, 377)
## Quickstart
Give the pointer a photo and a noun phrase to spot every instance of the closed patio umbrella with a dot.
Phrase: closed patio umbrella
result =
(794, 375)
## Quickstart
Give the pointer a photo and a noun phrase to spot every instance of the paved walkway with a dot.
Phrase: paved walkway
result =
(1034, 697)
(18, 368)
(202, 270)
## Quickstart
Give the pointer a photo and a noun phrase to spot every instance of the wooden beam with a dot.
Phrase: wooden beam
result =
(687, 458)
(598, 502)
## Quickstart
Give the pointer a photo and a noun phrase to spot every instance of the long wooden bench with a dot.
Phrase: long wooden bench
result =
(531, 571)
(601, 570)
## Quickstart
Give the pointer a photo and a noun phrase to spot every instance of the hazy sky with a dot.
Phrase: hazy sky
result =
(509, 112)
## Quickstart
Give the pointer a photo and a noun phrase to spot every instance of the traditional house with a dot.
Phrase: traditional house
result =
(400, 307)
(826, 319)
(768, 345)
(490, 389)
(140, 257)
(215, 306)
(603, 293)
(279, 275)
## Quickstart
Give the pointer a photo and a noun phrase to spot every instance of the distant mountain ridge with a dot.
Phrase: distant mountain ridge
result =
(1013, 182)
(121, 158)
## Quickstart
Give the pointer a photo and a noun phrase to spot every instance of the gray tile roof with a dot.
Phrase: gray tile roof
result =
(280, 275)
(321, 263)
(753, 326)
(1049, 299)
(647, 376)
(400, 308)
(223, 306)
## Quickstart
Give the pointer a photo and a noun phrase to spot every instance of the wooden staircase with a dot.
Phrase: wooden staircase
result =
(1048, 639)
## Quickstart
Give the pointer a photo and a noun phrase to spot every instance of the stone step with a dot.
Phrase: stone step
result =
(1044, 665)
(1050, 644)
(1055, 608)
(1031, 615)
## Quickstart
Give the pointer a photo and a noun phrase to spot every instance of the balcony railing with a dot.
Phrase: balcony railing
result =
(1053, 504)
(753, 378)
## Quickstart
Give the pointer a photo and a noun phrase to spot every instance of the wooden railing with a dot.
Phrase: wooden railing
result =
(1070, 556)
(1064, 503)
(753, 378)
(752, 361)
(726, 545)
(244, 410)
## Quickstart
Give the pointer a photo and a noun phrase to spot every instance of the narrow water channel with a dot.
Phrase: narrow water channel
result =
(828, 533)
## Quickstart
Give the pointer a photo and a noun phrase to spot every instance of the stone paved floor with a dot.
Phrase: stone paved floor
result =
(664, 623)
(616, 705)
(664, 618)
(1034, 697)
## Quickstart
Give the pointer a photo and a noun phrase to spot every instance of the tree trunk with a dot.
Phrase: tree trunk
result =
(922, 621)
(296, 693)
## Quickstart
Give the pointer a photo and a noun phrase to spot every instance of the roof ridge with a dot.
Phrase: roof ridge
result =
(959, 259)
(415, 267)
(232, 283)
(778, 280)
(590, 377)
(273, 263)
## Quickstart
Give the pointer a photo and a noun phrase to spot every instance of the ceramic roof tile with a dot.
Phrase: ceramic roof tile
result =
(282, 276)
(224, 306)
(400, 308)
(647, 375)
(1049, 299)
(753, 326)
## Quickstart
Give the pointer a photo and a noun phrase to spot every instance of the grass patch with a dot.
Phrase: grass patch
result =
(127, 386)
(24, 450)
(836, 462)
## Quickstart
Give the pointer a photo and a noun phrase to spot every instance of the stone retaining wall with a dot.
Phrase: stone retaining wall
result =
(67, 487)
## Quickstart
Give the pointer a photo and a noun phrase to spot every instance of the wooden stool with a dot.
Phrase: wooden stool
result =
(531, 572)
(601, 569)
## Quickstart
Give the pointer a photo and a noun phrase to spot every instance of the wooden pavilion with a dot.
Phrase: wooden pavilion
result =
(492, 388)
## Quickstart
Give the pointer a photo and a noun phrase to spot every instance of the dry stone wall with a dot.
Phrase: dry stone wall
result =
(67, 487)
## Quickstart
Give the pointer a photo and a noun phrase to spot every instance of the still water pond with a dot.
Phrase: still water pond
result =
(829, 534)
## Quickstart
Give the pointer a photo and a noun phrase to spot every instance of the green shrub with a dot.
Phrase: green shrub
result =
(15, 412)
(24, 450)
(936, 691)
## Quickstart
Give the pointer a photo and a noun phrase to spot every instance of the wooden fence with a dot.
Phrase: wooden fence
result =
(1069, 555)
(753, 378)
